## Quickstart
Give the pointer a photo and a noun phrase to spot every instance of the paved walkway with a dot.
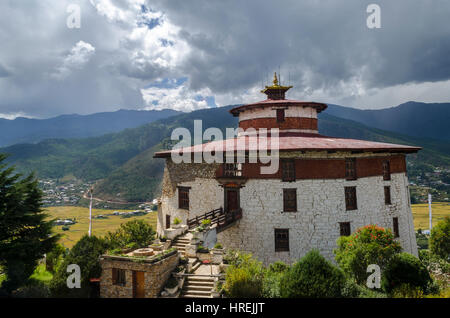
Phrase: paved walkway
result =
(207, 270)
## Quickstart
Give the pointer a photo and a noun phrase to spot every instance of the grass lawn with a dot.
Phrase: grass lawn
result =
(420, 214)
(99, 226)
(41, 274)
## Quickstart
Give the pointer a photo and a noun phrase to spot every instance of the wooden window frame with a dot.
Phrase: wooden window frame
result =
(387, 195)
(281, 240)
(350, 169)
(183, 201)
(386, 170)
(281, 115)
(286, 206)
(288, 170)
(351, 202)
(119, 277)
(232, 169)
(395, 227)
(345, 228)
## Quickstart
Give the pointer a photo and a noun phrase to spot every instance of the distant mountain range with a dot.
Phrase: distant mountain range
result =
(26, 130)
(124, 161)
(412, 118)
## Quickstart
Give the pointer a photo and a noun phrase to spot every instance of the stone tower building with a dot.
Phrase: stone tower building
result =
(324, 187)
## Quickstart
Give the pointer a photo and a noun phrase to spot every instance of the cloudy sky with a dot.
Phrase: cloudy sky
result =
(191, 54)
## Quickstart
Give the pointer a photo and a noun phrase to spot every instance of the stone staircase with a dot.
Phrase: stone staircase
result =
(197, 287)
(193, 264)
(180, 244)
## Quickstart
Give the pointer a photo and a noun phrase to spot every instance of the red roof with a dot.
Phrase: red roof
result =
(278, 102)
(293, 142)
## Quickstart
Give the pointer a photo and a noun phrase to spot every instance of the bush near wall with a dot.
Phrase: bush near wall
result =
(244, 278)
(313, 277)
(370, 244)
(405, 270)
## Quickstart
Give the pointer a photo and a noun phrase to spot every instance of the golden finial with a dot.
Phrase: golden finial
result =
(275, 80)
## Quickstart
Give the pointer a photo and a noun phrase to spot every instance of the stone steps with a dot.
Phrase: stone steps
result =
(195, 296)
(180, 244)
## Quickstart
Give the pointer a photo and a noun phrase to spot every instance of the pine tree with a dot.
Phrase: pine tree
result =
(25, 235)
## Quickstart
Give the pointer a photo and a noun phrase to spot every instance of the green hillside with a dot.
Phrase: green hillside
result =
(124, 161)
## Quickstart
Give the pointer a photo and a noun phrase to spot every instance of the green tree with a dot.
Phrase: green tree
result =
(312, 277)
(370, 244)
(440, 239)
(135, 233)
(25, 236)
(405, 269)
(85, 253)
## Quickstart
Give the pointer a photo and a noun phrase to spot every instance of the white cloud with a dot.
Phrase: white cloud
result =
(178, 98)
(79, 55)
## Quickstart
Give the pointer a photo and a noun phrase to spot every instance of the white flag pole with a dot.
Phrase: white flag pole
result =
(429, 210)
(90, 214)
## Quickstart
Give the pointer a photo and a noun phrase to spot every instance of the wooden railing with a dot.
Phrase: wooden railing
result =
(218, 216)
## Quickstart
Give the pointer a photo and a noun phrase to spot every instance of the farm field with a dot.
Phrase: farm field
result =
(99, 226)
(420, 214)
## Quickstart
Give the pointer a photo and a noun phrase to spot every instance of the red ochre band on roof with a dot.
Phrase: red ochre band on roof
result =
(288, 123)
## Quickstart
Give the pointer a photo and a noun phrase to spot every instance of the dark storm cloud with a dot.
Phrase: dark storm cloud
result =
(225, 49)
(321, 42)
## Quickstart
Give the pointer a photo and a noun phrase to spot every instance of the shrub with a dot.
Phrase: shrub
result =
(206, 222)
(202, 249)
(422, 241)
(312, 276)
(177, 221)
(407, 291)
(405, 269)
(440, 239)
(54, 258)
(32, 290)
(244, 278)
(272, 279)
(218, 246)
(368, 245)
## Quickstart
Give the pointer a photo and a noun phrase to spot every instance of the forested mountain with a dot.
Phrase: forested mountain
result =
(26, 130)
(426, 120)
(124, 160)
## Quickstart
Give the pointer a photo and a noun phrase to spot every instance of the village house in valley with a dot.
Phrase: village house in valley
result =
(324, 187)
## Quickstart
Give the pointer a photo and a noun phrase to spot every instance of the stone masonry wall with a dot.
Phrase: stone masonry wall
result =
(320, 203)
(321, 206)
(155, 276)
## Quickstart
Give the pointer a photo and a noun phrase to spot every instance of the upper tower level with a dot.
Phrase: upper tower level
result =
(278, 112)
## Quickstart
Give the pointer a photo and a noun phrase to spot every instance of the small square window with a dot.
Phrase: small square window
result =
(183, 198)
(281, 240)
(118, 276)
(387, 195)
(288, 170)
(350, 198)
(344, 228)
(290, 200)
